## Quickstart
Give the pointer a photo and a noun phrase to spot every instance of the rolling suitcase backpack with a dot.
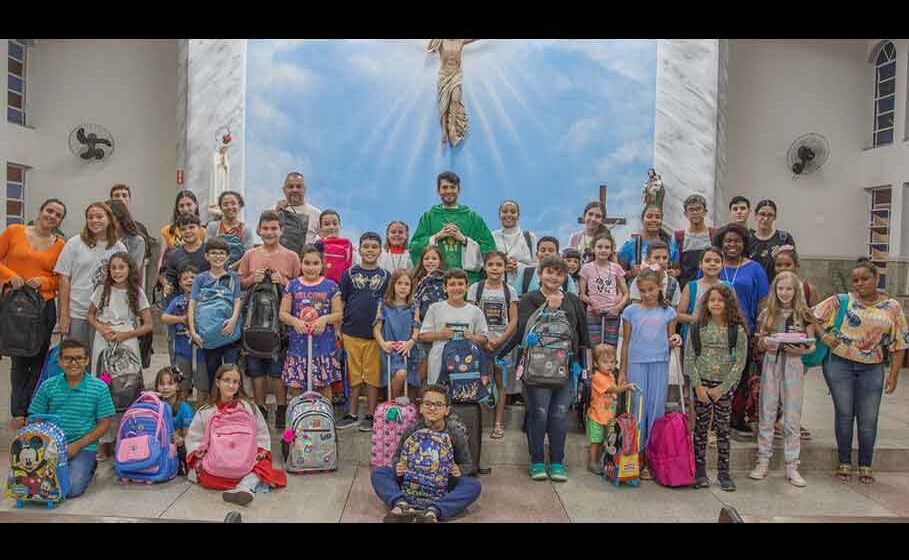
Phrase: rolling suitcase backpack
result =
(310, 442)
(145, 451)
(39, 465)
(391, 420)
(468, 418)
(621, 451)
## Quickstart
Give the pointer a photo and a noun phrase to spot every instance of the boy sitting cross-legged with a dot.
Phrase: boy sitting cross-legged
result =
(426, 483)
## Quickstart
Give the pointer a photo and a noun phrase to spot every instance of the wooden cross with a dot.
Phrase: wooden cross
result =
(609, 221)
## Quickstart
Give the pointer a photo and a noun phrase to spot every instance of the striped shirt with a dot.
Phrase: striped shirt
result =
(79, 408)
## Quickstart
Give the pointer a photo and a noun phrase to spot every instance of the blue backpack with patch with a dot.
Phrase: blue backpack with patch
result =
(461, 371)
(145, 451)
(39, 465)
(214, 306)
(429, 456)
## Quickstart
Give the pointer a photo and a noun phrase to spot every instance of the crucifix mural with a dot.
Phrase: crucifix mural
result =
(452, 114)
(610, 222)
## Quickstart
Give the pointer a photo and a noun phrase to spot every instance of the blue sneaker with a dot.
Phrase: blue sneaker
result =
(558, 473)
(538, 471)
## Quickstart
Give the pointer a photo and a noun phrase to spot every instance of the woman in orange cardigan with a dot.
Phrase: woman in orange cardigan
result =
(28, 255)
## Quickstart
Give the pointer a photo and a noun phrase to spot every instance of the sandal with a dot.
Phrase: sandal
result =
(865, 476)
(498, 432)
(844, 472)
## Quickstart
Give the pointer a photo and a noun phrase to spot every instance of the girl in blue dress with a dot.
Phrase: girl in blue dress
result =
(396, 329)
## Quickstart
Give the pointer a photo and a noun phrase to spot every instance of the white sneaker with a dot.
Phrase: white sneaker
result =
(760, 470)
(792, 473)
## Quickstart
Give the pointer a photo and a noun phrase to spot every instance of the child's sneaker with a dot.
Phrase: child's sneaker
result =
(366, 423)
(280, 416)
(347, 422)
(538, 471)
(726, 483)
(595, 468)
(239, 496)
(427, 516)
(759, 472)
(792, 474)
(402, 512)
(558, 473)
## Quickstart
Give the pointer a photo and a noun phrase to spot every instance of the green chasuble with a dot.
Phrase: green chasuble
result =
(471, 225)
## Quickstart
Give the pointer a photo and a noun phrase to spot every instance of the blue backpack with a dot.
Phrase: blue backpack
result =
(236, 248)
(216, 305)
(51, 368)
(145, 451)
(461, 371)
(429, 456)
(39, 466)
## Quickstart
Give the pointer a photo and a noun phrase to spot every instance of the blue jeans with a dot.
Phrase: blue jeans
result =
(465, 491)
(856, 389)
(227, 354)
(547, 411)
(81, 470)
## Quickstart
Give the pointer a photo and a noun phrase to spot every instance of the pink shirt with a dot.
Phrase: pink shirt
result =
(282, 260)
(602, 284)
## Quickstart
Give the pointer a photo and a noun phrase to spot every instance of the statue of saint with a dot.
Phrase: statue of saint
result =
(452, 114)
(220, 175)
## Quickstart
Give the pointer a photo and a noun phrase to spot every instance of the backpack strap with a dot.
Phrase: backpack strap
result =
(480, 285)
(507, 290)
(528, 276)
(695, 333)
(638, 245)
(528, 241)
(680, 238)
(841, 312)
(732, 338)
(692, 295)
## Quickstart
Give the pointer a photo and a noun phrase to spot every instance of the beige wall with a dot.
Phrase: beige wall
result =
(127, 86)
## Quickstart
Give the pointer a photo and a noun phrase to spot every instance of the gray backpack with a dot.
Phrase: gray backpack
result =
(547, 349)
(293, 229)
(125, 370)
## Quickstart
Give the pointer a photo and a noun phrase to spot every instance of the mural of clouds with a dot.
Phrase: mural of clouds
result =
(550, 120)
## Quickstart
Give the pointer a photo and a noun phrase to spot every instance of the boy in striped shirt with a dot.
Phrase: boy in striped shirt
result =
(85, 409)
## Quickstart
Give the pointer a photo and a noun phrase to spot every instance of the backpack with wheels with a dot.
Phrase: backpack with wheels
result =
(230, 442)
(120, 367)
(262, 329)
(391, 420)
(462, 371)
(293, 229)
(621, 450)
(23, 331)
(468, 419)
(547, 343)
(429, 456)
(145, 451)
(39, 464)
(310, 441)
(670, 453)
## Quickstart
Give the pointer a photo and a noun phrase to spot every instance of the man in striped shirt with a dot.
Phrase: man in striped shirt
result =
(85, 409)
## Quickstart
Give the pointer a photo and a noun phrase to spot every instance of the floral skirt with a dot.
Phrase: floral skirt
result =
(326, 370)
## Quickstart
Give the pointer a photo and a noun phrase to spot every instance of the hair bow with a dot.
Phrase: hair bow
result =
(777, 250)
(651, 266)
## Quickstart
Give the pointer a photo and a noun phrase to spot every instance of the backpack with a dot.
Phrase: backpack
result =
(216, 305)
(821, 350)
(145, 451)
(230, 442)
(669, 449)
(124, 368)
(39, 465)
(621, 451)
(294, 227)
(391, 419)
(429, 456)
(481, 285)
(547, 349)
(429, 291)
(23, 330)
(262, 329)
(461, 370)
(235, 248)
(337, 254)
(732, 337)
(679, 236)
(528, 241)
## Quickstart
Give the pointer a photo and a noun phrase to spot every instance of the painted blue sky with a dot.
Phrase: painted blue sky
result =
(549, 121)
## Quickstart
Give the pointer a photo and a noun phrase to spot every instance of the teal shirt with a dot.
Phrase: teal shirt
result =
(79, 408)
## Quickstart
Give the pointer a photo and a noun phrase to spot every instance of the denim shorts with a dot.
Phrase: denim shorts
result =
(258, 367)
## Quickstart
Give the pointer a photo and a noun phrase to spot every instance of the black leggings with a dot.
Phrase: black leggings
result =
(24, 372)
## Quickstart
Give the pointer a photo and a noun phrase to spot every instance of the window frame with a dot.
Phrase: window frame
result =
(20, 218)
(10, 109)
(885, 56)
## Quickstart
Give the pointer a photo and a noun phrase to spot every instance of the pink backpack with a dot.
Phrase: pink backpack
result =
(230, 442)
(338, 255)
(669, 451)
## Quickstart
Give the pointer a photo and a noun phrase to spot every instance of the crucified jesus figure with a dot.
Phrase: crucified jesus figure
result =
(453, 116)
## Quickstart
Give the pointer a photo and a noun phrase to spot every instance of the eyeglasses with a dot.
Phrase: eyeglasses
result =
(434, 404)
(72, 359)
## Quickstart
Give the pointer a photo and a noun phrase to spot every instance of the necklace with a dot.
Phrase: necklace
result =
(734, 276)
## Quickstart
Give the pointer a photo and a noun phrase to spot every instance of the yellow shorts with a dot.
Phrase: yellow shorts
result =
(364, 362)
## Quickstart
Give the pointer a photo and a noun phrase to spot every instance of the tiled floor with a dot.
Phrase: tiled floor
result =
(508, 493)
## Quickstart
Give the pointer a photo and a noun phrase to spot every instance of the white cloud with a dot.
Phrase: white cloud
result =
(581, 133)
(632, 58)
(635, 151)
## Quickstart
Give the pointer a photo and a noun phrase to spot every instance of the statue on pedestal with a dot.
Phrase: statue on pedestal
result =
(220, 174)
(654, 189)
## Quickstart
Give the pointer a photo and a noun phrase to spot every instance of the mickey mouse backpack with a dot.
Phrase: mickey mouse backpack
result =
(39, 466)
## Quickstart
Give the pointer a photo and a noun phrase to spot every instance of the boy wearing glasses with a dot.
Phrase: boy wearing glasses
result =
(462, 490)
(694, 240)
(84, 407)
